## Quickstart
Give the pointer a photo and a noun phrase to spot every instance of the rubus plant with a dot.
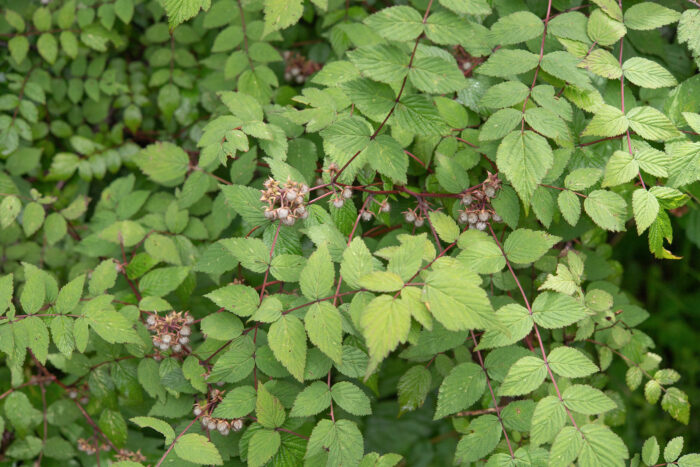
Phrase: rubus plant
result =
(334, 232)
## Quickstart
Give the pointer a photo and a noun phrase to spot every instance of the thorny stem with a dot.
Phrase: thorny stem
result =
(170, 448)
(534, 325)
(493, 394)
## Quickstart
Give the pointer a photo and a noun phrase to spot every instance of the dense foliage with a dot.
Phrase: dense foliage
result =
(333, 232)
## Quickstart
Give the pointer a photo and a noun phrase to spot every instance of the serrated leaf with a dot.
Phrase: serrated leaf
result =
(325, 329)
(463, 386)
(607, 209)
(159, 425)
(647, 74)
(525, 246)
(524, 376)
(570, 363)
(587, 400)
(351, 398)
(197, 449)
(525, 159)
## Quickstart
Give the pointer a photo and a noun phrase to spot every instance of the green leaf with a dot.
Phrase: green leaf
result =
(280, 14)
(9, 209)
(19, 46)
(570, 206)
(314, 399)
(651, 451)
(245, 201)
(436, 75)
(237, 403)
(621, 168)
(453, 295)
(480, 253)
(607, 209)
(6, 288)
(236, 298)
(651, 124)
(34, 292)
(386, 156)
(602, 63)
(287, 340)
(160, 282)
(601, 446)
(381, 281)
(413, 388)
(525, 159)
(525, 246)
(32, 218)
(673, 449)
(159, 425)
(645, 207)
(508, 62)
(607, 121)
(548, 419)
(112, 326)
(587, 400)
(383, 63)
(461, 388)
(604, 29)
(180, 11)
(197, 449)
(648, 15)
(398, 23)
(505, 94)
(647, 74)
(269, 411)
(385, 323)
(341, 440)
(316, 279)
(263, 445)
(351, 398)
(484, 437)
(164, 163)
(524, 376)
(446, 227)
(555, 310)
(325, 329)
(48, 47)
(675, 402)
(516, 27)
(513, 317)
(570, 363)
(113, 425)
(69, 296)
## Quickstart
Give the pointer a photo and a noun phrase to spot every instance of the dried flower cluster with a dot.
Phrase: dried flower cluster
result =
(477, 204)
(171, 331)
(414, 216)
(90, 447)
(80, 394)
(298, 68)
(204, 409)
(130, 456)
(285, 202)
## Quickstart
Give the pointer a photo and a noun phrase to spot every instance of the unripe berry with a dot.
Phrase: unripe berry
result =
(292, 195)
(304, 189)
(177, 348)
(347, 193)
(189, 320)
(467, 199)
(295, 71)
(305, 214)
(185, 331)
(490, 191)
(167, 338)
(288, 221)
(73, 394)
(463, 218)
(270, 213)
(211, 425)
(224, 432)
(497, 218)
(409, 216)
(338, 202)
(386, 207)
(151, 320)
(84, 400)
(197, 411)
(222, 425)
(419, 222)
(288, 76)
(481, 225)
(300, 211)
(300, 79)
(473, 218)
(184, 340)
(366, 215)
(163, 346)
(282, 213)
(237, 424)
(484, 216)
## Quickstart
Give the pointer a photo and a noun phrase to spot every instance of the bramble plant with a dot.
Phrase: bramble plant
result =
(333, 232)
